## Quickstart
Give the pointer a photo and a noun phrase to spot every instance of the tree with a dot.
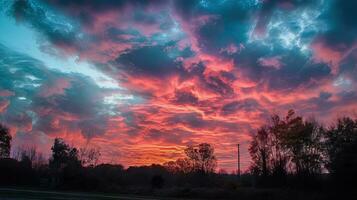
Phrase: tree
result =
(279, 157)
(268, 155)
(63, 155)
(201, 158)
(181, 165)
(31, 154)
(287, 145)
(260, 151)
(64, 164)
(302, 141)
(298, 144)
(5, 142)
(89, 156)
(341, 146)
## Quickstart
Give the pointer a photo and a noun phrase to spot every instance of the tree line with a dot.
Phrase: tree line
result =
(69, 167)
(292, 146)
(286, 152)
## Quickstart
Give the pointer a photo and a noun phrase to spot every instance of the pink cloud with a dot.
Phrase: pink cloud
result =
(331, 55)
(326, 54)
(57, 87)
(4, 105)
(232, 49)
(6, 93)
(273, 62)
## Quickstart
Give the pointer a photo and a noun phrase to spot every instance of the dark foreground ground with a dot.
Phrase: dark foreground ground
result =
(29, 194)
(241, 194)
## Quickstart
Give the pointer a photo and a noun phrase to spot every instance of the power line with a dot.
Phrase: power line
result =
(238, 154)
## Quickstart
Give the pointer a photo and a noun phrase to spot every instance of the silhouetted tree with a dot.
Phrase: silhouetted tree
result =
(63, 154)
(201, 158)
(341, 145)
(104, 175)
(5, 142)
(287, 145)
(302, 141)
(279, 158)
(297, 144)
(89, 156)
(30, 153)
(268, 155)
(64, 164)
(181, 165)
(260, 152)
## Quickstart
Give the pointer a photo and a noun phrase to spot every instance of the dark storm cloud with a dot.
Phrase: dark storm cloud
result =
(324, 103)
(83, 98)
(122, 35)
(247, 105)
(152, 60)
(297, 70)
(218, 34)
(227, 22)
(193, 120)
(56, 29)
(93, 127)
(102, 5)
(86, 11)
(185, 97)
(40, 105)
(342, 33)
(219, 83)
(216, 84)
(296, 67)
(80, 106)
(230, 10)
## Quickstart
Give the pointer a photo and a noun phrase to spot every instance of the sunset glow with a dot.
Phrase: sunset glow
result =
(141, 80)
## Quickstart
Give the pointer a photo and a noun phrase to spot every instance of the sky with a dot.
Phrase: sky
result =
(141, 80)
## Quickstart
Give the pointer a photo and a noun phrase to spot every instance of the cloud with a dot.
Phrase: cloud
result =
(3, 105)
(39, 99)
(273, 62)
(153, 60)
(185, 72)
(58, 30)
(248, 105)
(185, 97)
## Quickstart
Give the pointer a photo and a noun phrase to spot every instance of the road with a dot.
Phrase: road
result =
(27, 194)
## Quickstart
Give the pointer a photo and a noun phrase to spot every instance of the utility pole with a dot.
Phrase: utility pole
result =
(238, 170)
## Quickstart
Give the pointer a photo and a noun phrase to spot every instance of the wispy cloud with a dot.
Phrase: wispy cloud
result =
(142, 79)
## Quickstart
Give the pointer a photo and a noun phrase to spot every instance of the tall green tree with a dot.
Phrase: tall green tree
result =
(5, 142)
